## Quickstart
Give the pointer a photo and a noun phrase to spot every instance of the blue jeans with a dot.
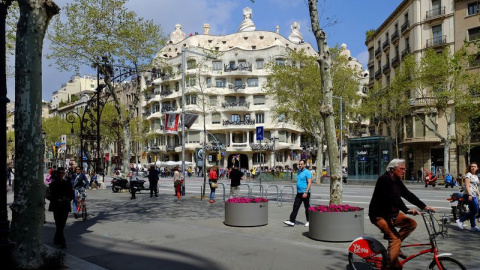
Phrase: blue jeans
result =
(472, 212)
(212, 191)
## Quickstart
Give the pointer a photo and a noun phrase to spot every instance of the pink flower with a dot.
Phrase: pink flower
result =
(247, 200)
(335, 208)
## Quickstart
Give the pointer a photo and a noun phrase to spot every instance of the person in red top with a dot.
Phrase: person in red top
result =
(212, 181)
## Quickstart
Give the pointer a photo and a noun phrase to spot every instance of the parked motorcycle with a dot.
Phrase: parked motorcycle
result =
(119, 183)
(458, 205)
(450, 181)
(430, 179)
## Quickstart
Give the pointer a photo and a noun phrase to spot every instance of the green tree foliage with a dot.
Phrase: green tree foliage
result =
(105, 28)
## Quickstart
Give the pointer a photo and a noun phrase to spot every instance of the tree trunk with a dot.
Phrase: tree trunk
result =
(319, 161)
(324, 61)
(28, 207)
(126, 147)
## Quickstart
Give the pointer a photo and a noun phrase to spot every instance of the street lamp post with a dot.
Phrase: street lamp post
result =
(184, 51)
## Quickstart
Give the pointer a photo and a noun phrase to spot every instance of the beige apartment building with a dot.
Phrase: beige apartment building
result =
(413, 27)
(230, 87)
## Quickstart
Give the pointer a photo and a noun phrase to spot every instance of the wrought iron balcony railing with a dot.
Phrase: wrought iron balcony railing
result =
(405, 26)
(378, 73)
(405, 52)
(235, 104)
(395, 36)
(386, 44)
(395, 61)
(240, 67)
(386, 68)
(436, 41)
(245, 122)
(378, 51)
(434, 13)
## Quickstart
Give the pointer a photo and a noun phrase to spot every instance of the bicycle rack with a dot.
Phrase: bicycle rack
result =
(281, 193)
(261, 190)
(266, 191)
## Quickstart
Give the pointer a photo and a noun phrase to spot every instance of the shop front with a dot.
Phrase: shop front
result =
(368, 157)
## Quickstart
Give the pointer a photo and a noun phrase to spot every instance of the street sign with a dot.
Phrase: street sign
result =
(57, 144)
(259, 133)
(63, 140)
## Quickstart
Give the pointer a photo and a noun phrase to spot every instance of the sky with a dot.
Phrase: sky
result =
(352, 19)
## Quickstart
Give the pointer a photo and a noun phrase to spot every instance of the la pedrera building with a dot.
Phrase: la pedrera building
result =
(224, 75)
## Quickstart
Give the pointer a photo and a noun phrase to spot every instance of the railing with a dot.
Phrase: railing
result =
(395, 36)
(170, 147)
(168, 109)
(386, 68)
(395, 61)
(241, 67)
(235, 104)
(378, 51)
(378, 73)
(236, 87)
(166, 92)
(405, 26)
(263, 146)
(405, 52)
(246, 122)
(436, 12)
(424, 101)
(386, 44)
(437, 41)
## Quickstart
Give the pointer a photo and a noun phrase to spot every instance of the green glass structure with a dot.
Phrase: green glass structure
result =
(368, 157)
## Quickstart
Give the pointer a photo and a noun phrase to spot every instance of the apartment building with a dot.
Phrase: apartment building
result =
(72, 91)
(413, 27)
(230, 87)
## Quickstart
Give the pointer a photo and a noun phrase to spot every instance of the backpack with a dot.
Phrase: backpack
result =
(212, 175)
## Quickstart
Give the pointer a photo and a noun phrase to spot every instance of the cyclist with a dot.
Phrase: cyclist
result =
(79, 183)
(385, 206)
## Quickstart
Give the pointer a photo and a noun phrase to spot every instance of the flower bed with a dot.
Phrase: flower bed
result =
(336, 223)
(246, 212)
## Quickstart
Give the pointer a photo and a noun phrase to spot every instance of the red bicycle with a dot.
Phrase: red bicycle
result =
(368, 253)
(81, 205)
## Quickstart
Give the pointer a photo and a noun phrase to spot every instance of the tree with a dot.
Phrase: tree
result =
(105, 28)
(28, 205)
(440, 83)
(325, 63)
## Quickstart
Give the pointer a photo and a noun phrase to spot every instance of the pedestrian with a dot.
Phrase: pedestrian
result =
(304, 183)
(212, 181)
(385, 206)
(61, 193)
(419, 174)
(177, 183)
(133, 179)
(79, 181)
(470, 194)
(235, 177)
(153, 179)
(9, 175)
(93, 179)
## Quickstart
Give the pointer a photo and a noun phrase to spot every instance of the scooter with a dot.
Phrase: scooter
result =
(450, 181)
(458, 205)
(430, 180)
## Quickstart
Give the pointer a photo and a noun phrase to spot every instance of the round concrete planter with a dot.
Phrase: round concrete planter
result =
(336, 226)
(246, 214)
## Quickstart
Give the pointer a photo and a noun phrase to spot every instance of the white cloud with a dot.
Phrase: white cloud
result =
(363, 58)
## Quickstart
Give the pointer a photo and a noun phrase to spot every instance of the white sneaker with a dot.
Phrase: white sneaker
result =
(475, 229)
(459, 224)
(307, 224)
(289, 223)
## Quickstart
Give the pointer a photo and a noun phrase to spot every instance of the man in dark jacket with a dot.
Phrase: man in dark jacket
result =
(61, 193)
(385, 206)
(153, 179)
(235, 177)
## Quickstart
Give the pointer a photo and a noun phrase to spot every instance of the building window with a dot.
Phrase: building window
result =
(293, 138)
(213, 101)
(252, 82)
(238, 82)
(419, 127)
(193, 137)
(260, 63)
(191, 64)
(217, 65)
(235, 118)
(259, 100)
(282, 136)
(220, 83)
(191, 81)
(281, 118)
(408, 127)
(208, 81)
(474, 34)
(216, 118)
(177, 86)
(371, 53)
(260, 118)
(191, 99)
(280, 61)
(472, 8)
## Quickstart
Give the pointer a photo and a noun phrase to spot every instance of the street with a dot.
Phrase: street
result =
(161, 233)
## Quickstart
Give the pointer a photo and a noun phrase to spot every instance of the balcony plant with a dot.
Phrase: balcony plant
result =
(246, 212)
(336, 223)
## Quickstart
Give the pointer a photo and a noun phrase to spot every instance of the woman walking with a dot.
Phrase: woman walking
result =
(61, 194)
(470, 194)
(177, 183)
(212, 181)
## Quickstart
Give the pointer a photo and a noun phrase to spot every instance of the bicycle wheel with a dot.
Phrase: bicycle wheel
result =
(358, 263)
(84, 212)
(447, 263)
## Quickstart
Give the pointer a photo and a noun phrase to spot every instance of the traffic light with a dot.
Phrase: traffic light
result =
(219, 156)
(155, 158)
